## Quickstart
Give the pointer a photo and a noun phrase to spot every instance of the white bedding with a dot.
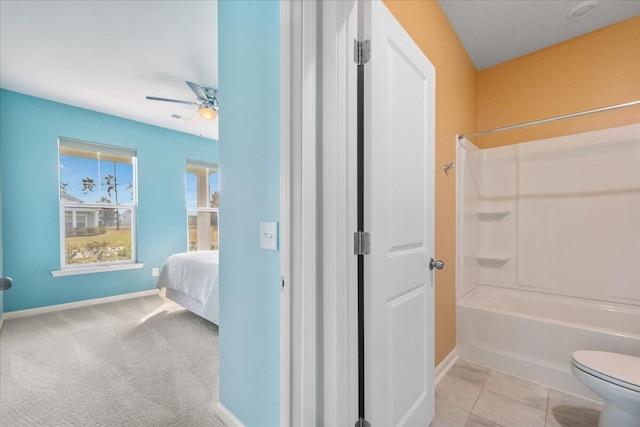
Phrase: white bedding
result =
(194, 274)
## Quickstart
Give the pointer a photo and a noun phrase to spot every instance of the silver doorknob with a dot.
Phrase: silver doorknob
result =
(5, 283)
(438, 265)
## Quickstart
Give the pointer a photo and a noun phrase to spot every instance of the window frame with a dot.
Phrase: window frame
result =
(209, 168)
(98, 148)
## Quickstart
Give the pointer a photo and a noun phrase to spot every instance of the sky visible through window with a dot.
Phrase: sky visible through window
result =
(74, 169)
(192, 188)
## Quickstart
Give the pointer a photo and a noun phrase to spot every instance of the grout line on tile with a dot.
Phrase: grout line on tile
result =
(476, 401)
(483, 388)
(546, 409)
(490, 421)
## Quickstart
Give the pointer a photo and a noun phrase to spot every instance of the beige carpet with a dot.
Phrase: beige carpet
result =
(138, 362)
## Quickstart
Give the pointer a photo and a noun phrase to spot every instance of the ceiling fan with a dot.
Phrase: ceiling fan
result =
(208, 105)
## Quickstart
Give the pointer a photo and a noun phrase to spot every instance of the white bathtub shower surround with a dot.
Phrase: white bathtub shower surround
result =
(559, 216)
(468, 159)
(532, 335)
(548, 253)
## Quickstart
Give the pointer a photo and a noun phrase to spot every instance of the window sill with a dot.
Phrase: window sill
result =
(97, 269)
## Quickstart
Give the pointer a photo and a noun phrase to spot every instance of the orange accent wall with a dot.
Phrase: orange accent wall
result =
(598, 69)
(427, 24)
(595, 70)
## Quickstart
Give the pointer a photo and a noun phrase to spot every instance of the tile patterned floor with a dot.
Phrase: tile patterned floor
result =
(471, 395)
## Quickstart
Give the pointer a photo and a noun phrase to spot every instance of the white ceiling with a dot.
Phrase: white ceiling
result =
(495, 31)
(108, 55)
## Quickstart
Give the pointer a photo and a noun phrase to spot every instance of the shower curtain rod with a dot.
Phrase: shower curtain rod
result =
(551, 119)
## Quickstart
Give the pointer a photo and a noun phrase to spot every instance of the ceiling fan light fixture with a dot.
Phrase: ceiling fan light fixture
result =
(207, 113)
(208, 104)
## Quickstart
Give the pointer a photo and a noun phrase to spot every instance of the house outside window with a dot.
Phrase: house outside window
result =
(97, 204)
(202, 205)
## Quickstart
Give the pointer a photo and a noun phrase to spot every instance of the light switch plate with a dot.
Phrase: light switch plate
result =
(269, 235)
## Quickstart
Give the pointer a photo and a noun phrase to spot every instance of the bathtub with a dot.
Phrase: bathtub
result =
(532, 335)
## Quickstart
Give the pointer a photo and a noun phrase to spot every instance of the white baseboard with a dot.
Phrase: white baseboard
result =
(77, 304)
(446, 364)
(227, 417)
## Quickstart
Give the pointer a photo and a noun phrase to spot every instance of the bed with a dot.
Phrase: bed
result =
(191, 280)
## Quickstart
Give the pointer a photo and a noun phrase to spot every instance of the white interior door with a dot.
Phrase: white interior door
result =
(399, 86)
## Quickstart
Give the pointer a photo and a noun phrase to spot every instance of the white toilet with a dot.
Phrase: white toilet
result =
(615, 378)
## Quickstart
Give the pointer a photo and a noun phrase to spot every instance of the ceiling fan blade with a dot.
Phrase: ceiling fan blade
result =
(154, 98)
(200, 93)
(195, 118)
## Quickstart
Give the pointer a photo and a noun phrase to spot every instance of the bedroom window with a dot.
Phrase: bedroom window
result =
(97, 204)
(202, 205)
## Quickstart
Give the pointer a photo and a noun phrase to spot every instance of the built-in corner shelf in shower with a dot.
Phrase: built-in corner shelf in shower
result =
(492, 260)
(492, 214)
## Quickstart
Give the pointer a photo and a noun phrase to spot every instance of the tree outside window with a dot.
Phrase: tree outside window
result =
(97, 202)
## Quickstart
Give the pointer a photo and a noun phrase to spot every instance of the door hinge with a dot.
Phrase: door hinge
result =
(361, 243)
(361, 51)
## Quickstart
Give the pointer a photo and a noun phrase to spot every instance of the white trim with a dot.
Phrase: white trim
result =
(286, 59)
(307, 247)
(95, 146)
(446, 364)
(77, 304)
(339, 267)
(227, 416)
(301, 261)
(202, 165)
(97, 269)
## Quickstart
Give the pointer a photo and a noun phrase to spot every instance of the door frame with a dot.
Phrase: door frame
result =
(340, 27)
(300, 238)
(319, 373)
(286, 59)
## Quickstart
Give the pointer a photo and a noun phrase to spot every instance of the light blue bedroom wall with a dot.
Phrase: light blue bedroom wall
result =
(29, 131)
(249, 77)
